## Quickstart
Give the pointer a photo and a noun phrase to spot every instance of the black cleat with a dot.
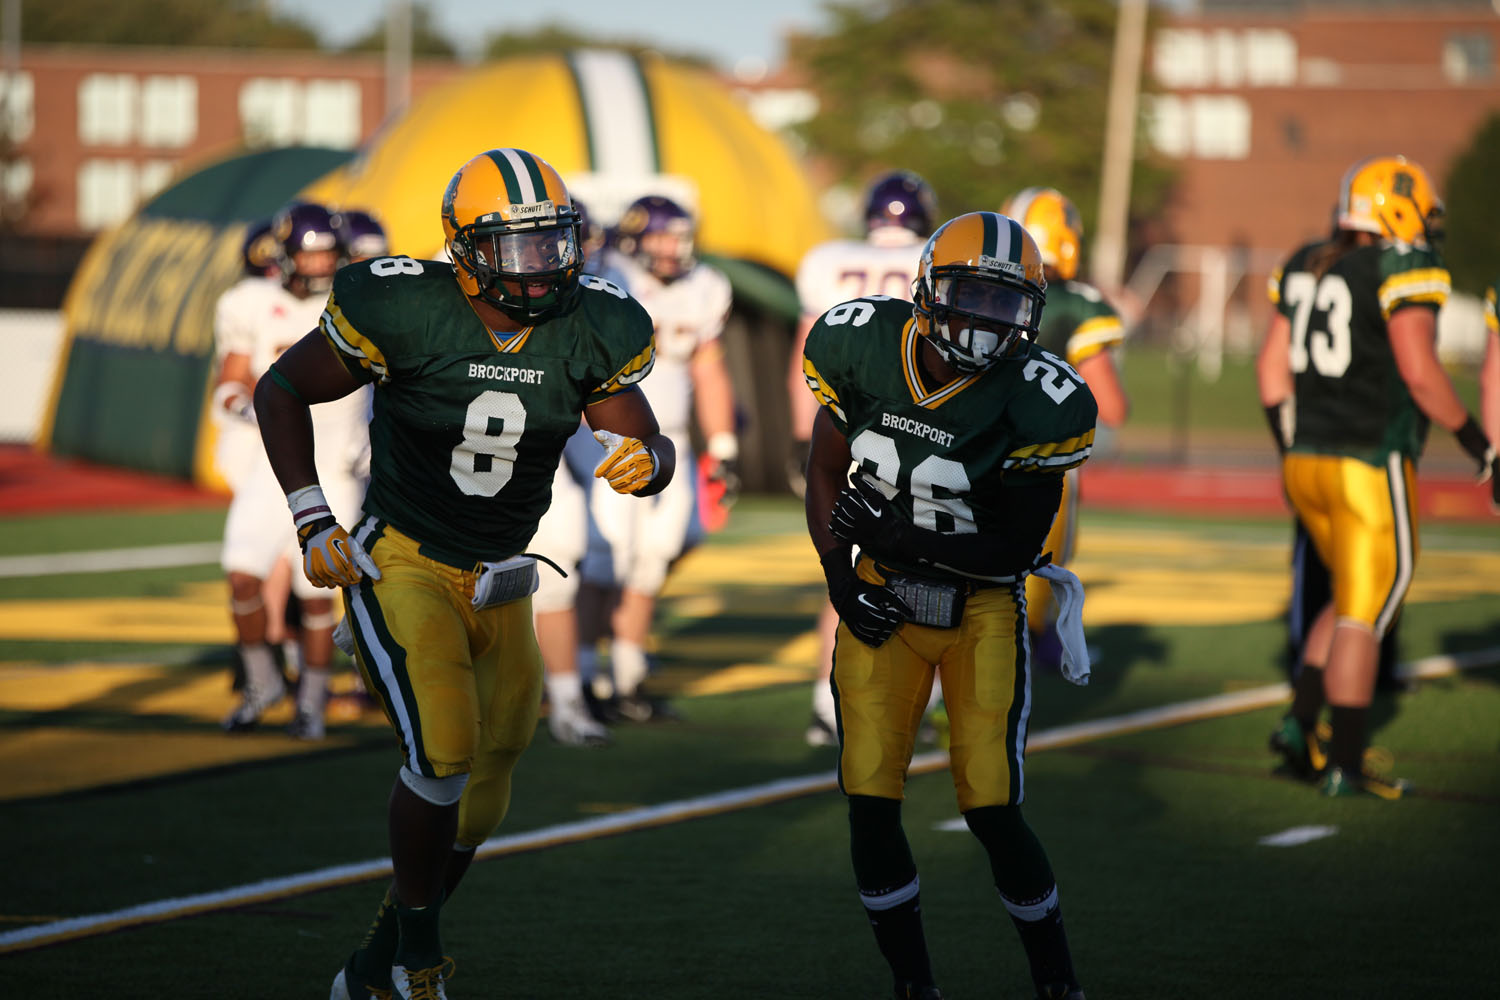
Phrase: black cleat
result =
(1302, 755)
(1059, 991)
(642, 707)
(914, 991)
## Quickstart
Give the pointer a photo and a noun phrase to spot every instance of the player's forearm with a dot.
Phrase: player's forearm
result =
(1103, 380)
(713, 396)
(827, 474)
(287, 432)
(1434, 394)
(666, 463)
(1273, 365)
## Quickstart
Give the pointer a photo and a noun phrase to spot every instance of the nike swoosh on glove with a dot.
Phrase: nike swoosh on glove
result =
(871, 612)
(629, 466)
(862, 514)
(331, 558)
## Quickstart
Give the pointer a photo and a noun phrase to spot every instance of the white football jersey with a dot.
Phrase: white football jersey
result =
(687, 313)
(260, 319)
(841, 270)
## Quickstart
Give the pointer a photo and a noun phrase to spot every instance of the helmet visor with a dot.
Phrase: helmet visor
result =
(537, 251)
(987, 303)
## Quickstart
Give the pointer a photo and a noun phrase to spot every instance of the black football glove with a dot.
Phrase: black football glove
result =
(725, 473)
(1473, 441)
(863, 516)
(871, 612)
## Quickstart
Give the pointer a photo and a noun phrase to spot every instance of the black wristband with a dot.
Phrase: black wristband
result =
(1278, 433)
(1472, 439)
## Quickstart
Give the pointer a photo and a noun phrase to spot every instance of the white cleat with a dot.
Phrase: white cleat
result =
(421, 984)
(571, 725)
(253, 703)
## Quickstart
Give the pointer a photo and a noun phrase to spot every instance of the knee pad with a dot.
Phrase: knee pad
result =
(320, 620)
(438, 791)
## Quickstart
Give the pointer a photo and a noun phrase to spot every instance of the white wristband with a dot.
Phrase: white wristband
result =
(724, 446)
(308, 504)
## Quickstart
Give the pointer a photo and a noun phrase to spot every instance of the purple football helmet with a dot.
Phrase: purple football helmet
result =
(900, 198)
(302, 227)
(658, 233)
(361, 235)
(259, 250)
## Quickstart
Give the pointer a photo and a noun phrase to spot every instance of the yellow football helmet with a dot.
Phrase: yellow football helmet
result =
(979, 290)
(513, 234)
(1053, 222)
(1390, 196)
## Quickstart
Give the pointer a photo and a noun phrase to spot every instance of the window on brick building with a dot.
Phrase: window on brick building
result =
(1469, 56)
(271, 111)
(331, 114)
(15, 181)
(107, 109)
(106, 192)
(18, 99)
(1205, 126)
(169, 111)
(152, 177)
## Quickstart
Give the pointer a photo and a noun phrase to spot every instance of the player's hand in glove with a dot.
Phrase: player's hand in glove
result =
(629, 465)
(870, 611)
(1473, 441)
(723, 475)
(861, 513)
(330, 558)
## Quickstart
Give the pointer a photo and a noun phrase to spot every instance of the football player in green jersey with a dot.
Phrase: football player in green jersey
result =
(960, 430)
(1349, 377)
(1082, 328)
(481, 369)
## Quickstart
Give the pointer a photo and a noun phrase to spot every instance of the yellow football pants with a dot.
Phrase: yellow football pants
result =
(462, 688)
(1362, 519)
(881, 694)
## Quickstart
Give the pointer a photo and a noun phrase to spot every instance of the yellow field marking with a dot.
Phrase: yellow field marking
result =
(48, 760)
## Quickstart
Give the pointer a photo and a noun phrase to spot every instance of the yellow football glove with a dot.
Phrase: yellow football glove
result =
(629, 466)
(330, 558)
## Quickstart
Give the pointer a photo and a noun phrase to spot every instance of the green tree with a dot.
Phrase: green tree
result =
(426, 38)
(561, 38)
(211, 23)
(980, 97)
(1472, 245)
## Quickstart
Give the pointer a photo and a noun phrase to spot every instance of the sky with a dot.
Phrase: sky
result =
(735, 35)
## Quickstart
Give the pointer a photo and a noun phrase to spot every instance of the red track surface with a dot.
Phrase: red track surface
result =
(33, 482)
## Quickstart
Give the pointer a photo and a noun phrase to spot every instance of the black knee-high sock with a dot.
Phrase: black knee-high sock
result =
(372, 960)
(1347, 749)
(1027, 888)
(1307, 697)
(888, 886)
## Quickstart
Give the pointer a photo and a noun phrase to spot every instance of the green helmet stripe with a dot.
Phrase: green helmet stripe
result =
(538, 182)
(1017, 241)
(990, 244)
(507, 174)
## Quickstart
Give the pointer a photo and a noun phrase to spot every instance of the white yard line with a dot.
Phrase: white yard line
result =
(646, 817)
(111, 560)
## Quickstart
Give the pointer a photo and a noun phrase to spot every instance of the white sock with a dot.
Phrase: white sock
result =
(630, 665)
(823, 702)
(312, 691)
(565, 692)
(260, 666)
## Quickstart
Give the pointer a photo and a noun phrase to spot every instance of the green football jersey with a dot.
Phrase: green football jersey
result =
(944, 454)
(1349, 396)
(1077, 322)
(468, 424)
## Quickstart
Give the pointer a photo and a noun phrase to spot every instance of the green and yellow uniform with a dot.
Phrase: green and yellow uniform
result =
(944, 455)
(465, 435)
(1357, 432)
(1077, 324)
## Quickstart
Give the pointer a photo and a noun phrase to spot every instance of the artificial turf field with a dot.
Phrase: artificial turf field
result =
(120, 791)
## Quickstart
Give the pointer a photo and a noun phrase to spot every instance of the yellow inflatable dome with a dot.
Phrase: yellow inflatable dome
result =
(616, 127)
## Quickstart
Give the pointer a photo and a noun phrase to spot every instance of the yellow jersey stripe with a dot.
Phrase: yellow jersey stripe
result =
(350, 342)
(635, 369)
(1273, 287)
(1093, 336)
(821, 390)
(1428, 284)
(1053, 455)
